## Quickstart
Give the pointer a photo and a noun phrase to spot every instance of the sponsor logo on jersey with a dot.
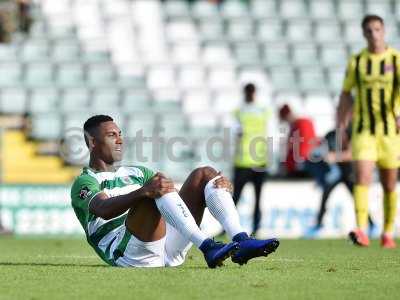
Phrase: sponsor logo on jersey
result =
(127, 180)
(84, 193)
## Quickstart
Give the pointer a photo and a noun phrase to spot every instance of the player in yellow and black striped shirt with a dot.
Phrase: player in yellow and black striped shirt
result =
(373, 74)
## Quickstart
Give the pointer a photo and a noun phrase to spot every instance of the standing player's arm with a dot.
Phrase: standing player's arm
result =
(344, 109)
(343, 113)
(108, 208)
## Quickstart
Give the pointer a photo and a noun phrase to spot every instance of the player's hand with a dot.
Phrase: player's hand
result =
(223, 183)
(330, 158)
(158, 186)
(398, 122)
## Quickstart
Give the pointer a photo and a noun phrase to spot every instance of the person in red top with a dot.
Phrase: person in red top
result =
(301, 141)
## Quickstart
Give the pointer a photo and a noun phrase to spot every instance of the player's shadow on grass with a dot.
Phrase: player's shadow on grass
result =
(33, 264)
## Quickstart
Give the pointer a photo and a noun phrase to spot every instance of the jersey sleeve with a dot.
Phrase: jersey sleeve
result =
(147, 173)
(83, 191)
(350, 77)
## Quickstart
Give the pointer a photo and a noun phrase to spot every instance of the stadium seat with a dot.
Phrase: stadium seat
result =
(382, 8)
(50, 7)
(350, 9)
(191, 76)
(217, 53)
(74, 99)
(240, 30)
(176, 9)
(322, 9)
(166, 100)
(226, 101)
(100, 74)
(13, 101)
(43, 100)
(202, 125)
(8, 52)
(319, 103)
(161, 77)
(116, 9)
(299, 30)
(333, 54)
(293, 9)
(247, 53)
(269, 30)
(75, 120)
(144, 124)
(63, 29)
(105, 99)
(181, 30)
(70, 75)
(275, 54)
(221, 77)
(304, 54)
(211, 30)
(234, 9)
(282, 77)
(135, 100)
(10, 74)
(39, 74)
(196, 101)
(173, 125)
(46, 126)
(95, 56)
(185, 53)
(204, 9)
(335, 78)
(35, 50)
(391, 31)
(352, 31)
(66, 50)
(355, 47)
(311, 78)
(327, 31)
(263, 9)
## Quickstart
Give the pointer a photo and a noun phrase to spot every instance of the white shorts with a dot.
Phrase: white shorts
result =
(170, 251)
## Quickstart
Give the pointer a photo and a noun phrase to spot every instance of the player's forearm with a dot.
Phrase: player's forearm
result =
(344, 109)
(112, 207)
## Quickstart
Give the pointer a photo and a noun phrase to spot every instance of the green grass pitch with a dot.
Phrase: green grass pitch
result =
(321, 269)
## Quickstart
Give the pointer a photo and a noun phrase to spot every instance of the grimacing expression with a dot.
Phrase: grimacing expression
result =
(374, 33)
(107, 142)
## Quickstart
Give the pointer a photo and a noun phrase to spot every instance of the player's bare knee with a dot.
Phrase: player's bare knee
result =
(205, 173)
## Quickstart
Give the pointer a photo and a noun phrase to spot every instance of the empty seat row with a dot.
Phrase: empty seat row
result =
(343, 9)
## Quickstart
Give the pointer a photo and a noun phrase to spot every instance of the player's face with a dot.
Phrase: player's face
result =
(108, 143)
(374, 32)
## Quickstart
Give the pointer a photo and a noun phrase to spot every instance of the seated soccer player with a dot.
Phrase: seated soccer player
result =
(134, 217)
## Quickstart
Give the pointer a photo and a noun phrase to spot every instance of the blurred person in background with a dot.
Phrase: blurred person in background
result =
(374, 76)
(3, 30)
(251, 153)
(24, 15)
(333, 167)
(300, 142)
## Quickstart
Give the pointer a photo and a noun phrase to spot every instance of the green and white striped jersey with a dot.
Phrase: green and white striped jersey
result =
(99, 232)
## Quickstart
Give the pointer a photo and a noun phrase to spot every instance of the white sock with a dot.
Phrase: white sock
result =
(177, 214)
(221, 206)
